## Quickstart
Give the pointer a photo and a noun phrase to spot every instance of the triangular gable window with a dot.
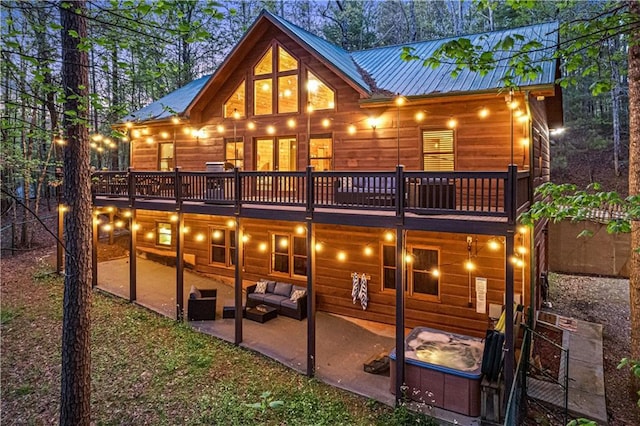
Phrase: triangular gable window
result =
(320, 96)
(235, 105)
(265, 66)
(286, 62)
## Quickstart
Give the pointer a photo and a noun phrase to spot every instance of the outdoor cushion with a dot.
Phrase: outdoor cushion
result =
(297, 294)
(275, 299)
(194, 293)
(287, 303)
(271, 285)
(261, 287)
(256, 296)
(283, 289)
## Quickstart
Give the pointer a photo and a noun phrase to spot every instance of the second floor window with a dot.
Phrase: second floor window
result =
(165, 157)
(438, 150)
(234, 152)
(234, 107)
(321, 152)
(275, 84)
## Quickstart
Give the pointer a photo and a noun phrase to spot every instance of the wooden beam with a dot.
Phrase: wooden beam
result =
(400, 285)
(180, 268)
(311, 299)
(133, 266)
(509, 348)
(239, 261)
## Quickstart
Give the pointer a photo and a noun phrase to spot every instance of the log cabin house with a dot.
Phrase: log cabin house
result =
(343, 162)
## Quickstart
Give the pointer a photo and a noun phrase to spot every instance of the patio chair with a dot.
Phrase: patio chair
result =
(203, 308)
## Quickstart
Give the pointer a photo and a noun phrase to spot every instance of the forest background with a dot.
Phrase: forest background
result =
(140, 51)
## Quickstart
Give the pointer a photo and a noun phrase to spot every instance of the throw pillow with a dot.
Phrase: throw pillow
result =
(261, 287)
(297, 294)
(194, 293)
(283, 289)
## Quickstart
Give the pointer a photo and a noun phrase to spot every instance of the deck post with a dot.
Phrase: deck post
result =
(400, 274)
(311, 295)
(239, 261)
(509, 351)
(133, 246)
(179, 248)
(112, 227)
(94, 249)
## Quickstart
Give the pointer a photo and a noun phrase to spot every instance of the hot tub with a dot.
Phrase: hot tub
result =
(442, 369)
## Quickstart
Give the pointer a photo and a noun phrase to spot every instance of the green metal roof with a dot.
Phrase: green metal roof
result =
(386, 71)
(412, 78)
(171, 104)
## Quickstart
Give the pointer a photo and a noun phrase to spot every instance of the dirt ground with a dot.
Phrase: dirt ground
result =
(604, 301)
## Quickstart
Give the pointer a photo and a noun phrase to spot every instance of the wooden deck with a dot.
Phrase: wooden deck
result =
(472, 201)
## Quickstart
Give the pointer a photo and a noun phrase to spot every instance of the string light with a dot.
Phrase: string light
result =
(522, 229)
(351, 129)
(521, 250)
(271, 130)
(164, 135)
(523, 118)
(408, 258)
(149, 235)
(435, 272)
(318, 247)
(217, 234)
(326, 122)
(231, 223)
(483, 113)
(373, 122)
(251, 125)
(246, 238)
(368, 251)
(136, 134)
(262, 247)
(175, 120)
(106, 227)
(299, 229)
(173, 218)
(135, 227)
(146, 131)
(291, 123)
(469, 265)
(126, 213)
(388, 236)
(220, 128)
(128, 124)
(420, 115)
(342, 256)
(284, 242)
(452, 123)
(119, 224)
(493, 244)
(62, 208)
(199, 237)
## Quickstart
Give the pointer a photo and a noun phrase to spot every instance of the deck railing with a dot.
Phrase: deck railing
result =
(502, 194)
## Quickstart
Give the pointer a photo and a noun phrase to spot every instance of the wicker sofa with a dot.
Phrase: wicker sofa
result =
(278, 295)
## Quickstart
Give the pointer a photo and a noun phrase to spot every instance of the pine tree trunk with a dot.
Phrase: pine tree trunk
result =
(75, 407)
(634, 176)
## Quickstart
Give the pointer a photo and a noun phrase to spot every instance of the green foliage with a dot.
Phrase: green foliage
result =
(266, 402)
(634, 366)
(566, 201)
(7, 315)
(582, 422)
(402, 415)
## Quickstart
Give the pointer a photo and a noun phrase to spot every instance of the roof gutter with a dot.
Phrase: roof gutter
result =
(379, 101)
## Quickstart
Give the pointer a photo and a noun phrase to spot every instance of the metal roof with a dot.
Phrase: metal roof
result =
(388, 71)
(412, 78)
(171, 104)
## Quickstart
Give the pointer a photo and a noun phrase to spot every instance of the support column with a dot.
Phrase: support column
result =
(311, 300)
(133, 246)
(238, 259)
(94, 249)
(112, 227)
(180, 268)
(400, 289)
(508, 300)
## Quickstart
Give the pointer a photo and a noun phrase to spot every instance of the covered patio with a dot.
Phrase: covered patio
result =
(343, 344)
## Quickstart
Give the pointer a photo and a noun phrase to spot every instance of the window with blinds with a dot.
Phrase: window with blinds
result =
(437, 150)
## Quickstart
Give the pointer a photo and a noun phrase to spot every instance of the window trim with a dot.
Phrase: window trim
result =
(322, 136)
(157, 234)
(229, 245)
(160, 144)
(307, 100)
(290, 251)
(409, 272)
(439, 129)
(224, 104)
(274, 77)
(232, 140)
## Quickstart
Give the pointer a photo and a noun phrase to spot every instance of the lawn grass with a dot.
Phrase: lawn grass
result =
(147, 369)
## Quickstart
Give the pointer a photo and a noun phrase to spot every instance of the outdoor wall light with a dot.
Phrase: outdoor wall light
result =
(373, 122)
